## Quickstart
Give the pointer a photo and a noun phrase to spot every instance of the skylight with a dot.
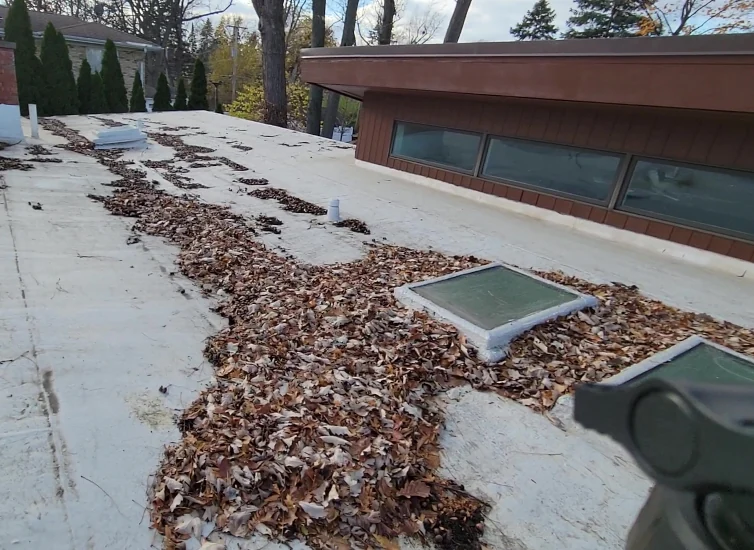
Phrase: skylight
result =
(493, 304)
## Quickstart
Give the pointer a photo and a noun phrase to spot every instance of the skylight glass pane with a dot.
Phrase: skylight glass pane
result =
(492, 297)
(706, 364)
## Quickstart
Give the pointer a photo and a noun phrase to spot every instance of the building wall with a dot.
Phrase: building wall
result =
(717, 139)
(130, 59)
(8, 87)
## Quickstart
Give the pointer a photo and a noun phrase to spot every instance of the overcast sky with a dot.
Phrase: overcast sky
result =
(491, 20)
(488, 20)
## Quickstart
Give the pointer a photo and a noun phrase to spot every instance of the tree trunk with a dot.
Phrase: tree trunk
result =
(314, 113)
(386, 27)
(347, 39)
(456, 21)
(331, 114)
(272, 33)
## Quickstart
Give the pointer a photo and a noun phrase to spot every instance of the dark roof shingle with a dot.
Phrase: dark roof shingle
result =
(73, 27)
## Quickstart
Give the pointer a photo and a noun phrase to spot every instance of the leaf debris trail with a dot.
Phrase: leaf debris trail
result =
(320, 423)
(289, 202)
(357, 226)
(193, 153)
(321, 410)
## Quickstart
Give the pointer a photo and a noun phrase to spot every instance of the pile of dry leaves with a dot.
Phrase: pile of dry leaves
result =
(14, 164)
(289, 202)
(357, 226)
(193, 154)
(253, 181)
(320, 423)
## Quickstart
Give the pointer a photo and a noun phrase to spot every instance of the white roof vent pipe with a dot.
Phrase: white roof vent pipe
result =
(333, 211)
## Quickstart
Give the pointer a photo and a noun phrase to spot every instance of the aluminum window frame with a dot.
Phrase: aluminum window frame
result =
(618, 179)
(681, 222)
(438, 165)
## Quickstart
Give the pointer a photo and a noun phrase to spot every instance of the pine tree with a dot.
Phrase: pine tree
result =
(28, 66)
(112, 80)
(605, 19)
(206, 40)
(60, 94)
(98, 102)
(137, 104)
(191, 42)
(84, 88)
(162, 95)
(68, 78)
(537, 24)
(198, 96)
(180, 103)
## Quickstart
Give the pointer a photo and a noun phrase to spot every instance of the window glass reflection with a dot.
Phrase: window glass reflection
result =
(700, 196)
(436, 145)
(566, 170)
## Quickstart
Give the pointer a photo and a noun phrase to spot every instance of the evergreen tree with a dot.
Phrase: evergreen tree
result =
(28, 66)
(605, 19)
(98, 102)
(206, 40)
(162, 95)
(60, 94)
(192, 43)
(180, 103)
(198, 96)
(537, 24)
(137, 104)
(69, 79)
(84, 88)
(112, 80)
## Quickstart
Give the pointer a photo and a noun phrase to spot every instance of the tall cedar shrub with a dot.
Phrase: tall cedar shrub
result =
(98, 101)
(137, 104)
(112, 80)
(59, 93)
(180, 103)
(84, 88)
(162, 95)
(28, 66)
(69, 79)
(198, 96)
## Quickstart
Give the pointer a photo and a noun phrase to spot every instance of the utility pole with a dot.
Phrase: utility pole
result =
(216, 84)
(234, 56)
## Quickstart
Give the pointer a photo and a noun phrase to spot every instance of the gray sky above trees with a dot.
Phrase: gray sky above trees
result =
(488, 20)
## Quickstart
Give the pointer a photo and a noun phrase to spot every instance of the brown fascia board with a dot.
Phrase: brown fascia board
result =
(675, 72)
(724, 44)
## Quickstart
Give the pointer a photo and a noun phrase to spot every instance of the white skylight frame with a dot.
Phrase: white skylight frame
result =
(492, 345)
(666, 356)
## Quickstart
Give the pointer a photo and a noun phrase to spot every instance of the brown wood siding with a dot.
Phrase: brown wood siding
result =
(695, 137)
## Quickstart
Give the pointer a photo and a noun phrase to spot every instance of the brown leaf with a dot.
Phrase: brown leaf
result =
(223, 467)
(387, 543)
(415, 489)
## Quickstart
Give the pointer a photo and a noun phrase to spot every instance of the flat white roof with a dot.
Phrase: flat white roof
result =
(90, 329)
